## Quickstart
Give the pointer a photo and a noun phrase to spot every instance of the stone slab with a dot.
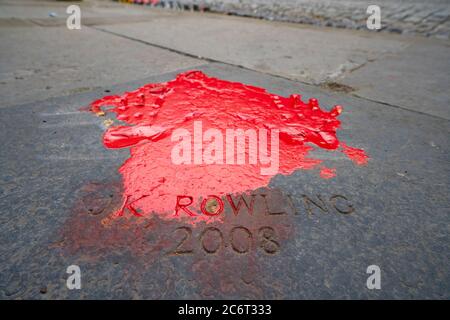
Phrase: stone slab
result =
(58, 183)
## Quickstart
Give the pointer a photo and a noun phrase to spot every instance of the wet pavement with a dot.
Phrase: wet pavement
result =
(304, 237)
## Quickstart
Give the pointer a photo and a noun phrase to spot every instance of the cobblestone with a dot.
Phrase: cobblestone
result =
(429, 18)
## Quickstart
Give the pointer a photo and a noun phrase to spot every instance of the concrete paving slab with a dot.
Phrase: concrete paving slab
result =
(58, 183)
(416, 78)
(298, 52)
(40, 9)
(41, 62)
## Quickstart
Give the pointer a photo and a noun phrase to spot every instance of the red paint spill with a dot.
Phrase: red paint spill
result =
(327, 173)
(152, 182)
(358, 156)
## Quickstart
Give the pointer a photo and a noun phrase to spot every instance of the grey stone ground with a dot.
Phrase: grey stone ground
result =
(428, 18)
(57, 181)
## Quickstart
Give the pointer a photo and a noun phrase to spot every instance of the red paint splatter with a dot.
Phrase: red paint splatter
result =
(152, 182)
(327, 173)
(358, 156)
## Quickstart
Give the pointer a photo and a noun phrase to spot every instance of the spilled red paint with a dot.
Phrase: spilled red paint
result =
(150, 114)
(327, 173)
(358, 156)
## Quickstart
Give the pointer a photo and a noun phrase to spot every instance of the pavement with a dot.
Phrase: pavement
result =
(426, 18)
(58, 182)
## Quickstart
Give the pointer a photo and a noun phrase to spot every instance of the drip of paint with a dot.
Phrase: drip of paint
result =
(327, 173)
(358, 156)
(151, 113)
